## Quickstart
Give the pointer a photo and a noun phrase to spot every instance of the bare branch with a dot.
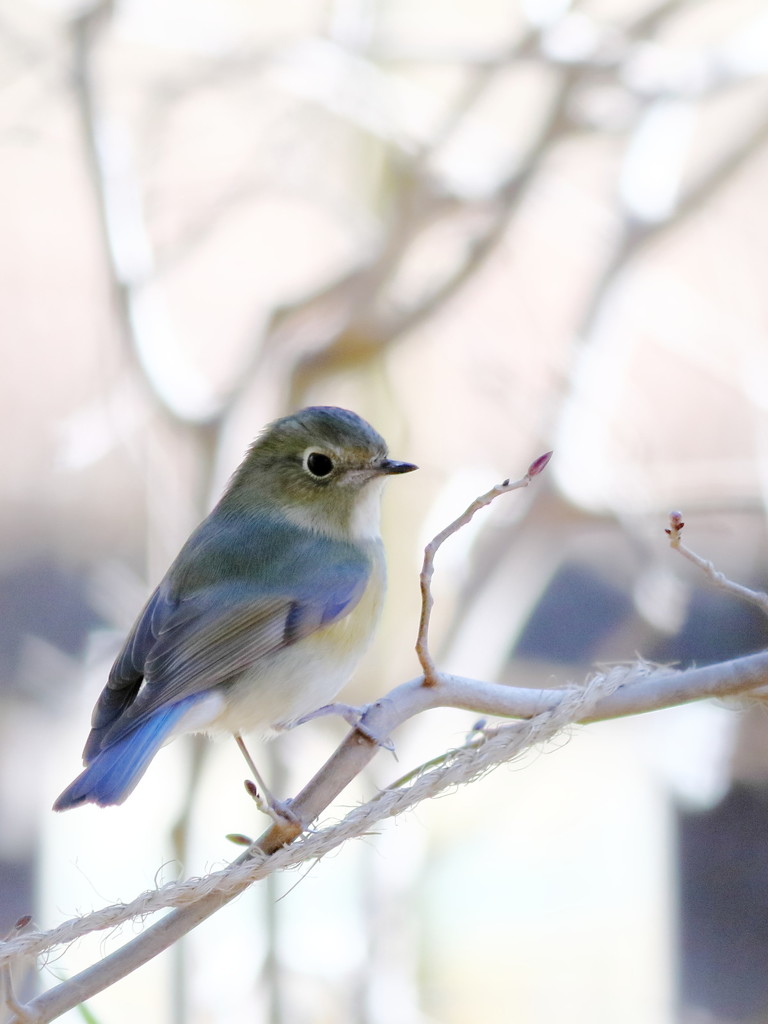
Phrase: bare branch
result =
(509, 197)
(624, 690)
(481, 78)
(366, 335)
(636, 235)
(178, 392)
(719, 579)
(428, 568)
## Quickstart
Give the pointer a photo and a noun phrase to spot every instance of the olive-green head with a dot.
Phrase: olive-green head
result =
(322, 467)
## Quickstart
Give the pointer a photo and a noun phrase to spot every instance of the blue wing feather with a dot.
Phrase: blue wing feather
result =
(114, 771)
(196, 633)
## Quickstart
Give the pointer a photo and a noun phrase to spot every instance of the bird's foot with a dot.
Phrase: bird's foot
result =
(351, 714)
(280, 811)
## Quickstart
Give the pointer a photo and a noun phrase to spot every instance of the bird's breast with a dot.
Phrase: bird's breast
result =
(308, 673)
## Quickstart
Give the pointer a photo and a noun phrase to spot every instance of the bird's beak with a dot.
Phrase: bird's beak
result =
(391, 467)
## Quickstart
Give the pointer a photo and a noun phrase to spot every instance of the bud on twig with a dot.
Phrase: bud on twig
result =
(239, 839)
(676, 525)
(538, 465)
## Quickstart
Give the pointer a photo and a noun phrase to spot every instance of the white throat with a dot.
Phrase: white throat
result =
(365, 523)
(366, 516)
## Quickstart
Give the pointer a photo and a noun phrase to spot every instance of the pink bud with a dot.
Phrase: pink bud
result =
(675, 524)
(539, 464)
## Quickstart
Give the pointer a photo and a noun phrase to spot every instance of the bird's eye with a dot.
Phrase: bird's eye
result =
(318, 464)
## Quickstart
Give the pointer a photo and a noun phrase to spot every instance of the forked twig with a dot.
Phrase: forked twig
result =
(428, 566)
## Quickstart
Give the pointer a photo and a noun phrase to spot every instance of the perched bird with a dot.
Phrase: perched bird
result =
(266, 610)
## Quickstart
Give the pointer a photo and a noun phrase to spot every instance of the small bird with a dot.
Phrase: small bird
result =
(266, 610)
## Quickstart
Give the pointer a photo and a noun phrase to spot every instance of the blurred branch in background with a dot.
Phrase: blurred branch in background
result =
(645, 92)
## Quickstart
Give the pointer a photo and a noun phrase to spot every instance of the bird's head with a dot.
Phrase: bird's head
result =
(322, 467)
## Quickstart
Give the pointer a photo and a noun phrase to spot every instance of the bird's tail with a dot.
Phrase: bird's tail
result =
(114, 771)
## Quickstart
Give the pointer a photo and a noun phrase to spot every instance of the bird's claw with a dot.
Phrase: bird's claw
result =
(352, 715)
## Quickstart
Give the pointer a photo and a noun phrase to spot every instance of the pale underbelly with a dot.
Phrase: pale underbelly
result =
(290, 683)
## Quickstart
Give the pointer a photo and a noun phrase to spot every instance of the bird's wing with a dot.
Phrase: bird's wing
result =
(179, 648)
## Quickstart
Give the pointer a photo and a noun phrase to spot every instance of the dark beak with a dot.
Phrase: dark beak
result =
(390, 467)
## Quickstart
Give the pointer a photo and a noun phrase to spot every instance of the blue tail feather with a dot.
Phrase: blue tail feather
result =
(114, 772)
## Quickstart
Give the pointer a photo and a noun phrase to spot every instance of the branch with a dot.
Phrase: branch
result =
(365, 335)
(428, 568)
(510, 194)
(623, 690)
(636, 235)
(176, 388)
(719, 579)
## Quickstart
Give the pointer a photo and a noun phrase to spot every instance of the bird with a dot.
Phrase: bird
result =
(264, 613)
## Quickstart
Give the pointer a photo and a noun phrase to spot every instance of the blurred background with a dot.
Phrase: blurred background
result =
(491, 228)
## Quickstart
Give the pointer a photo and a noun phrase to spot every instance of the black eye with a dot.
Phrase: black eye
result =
(319, 464)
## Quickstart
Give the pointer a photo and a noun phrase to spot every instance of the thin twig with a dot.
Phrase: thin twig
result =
(428, 566)
(719, 579)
